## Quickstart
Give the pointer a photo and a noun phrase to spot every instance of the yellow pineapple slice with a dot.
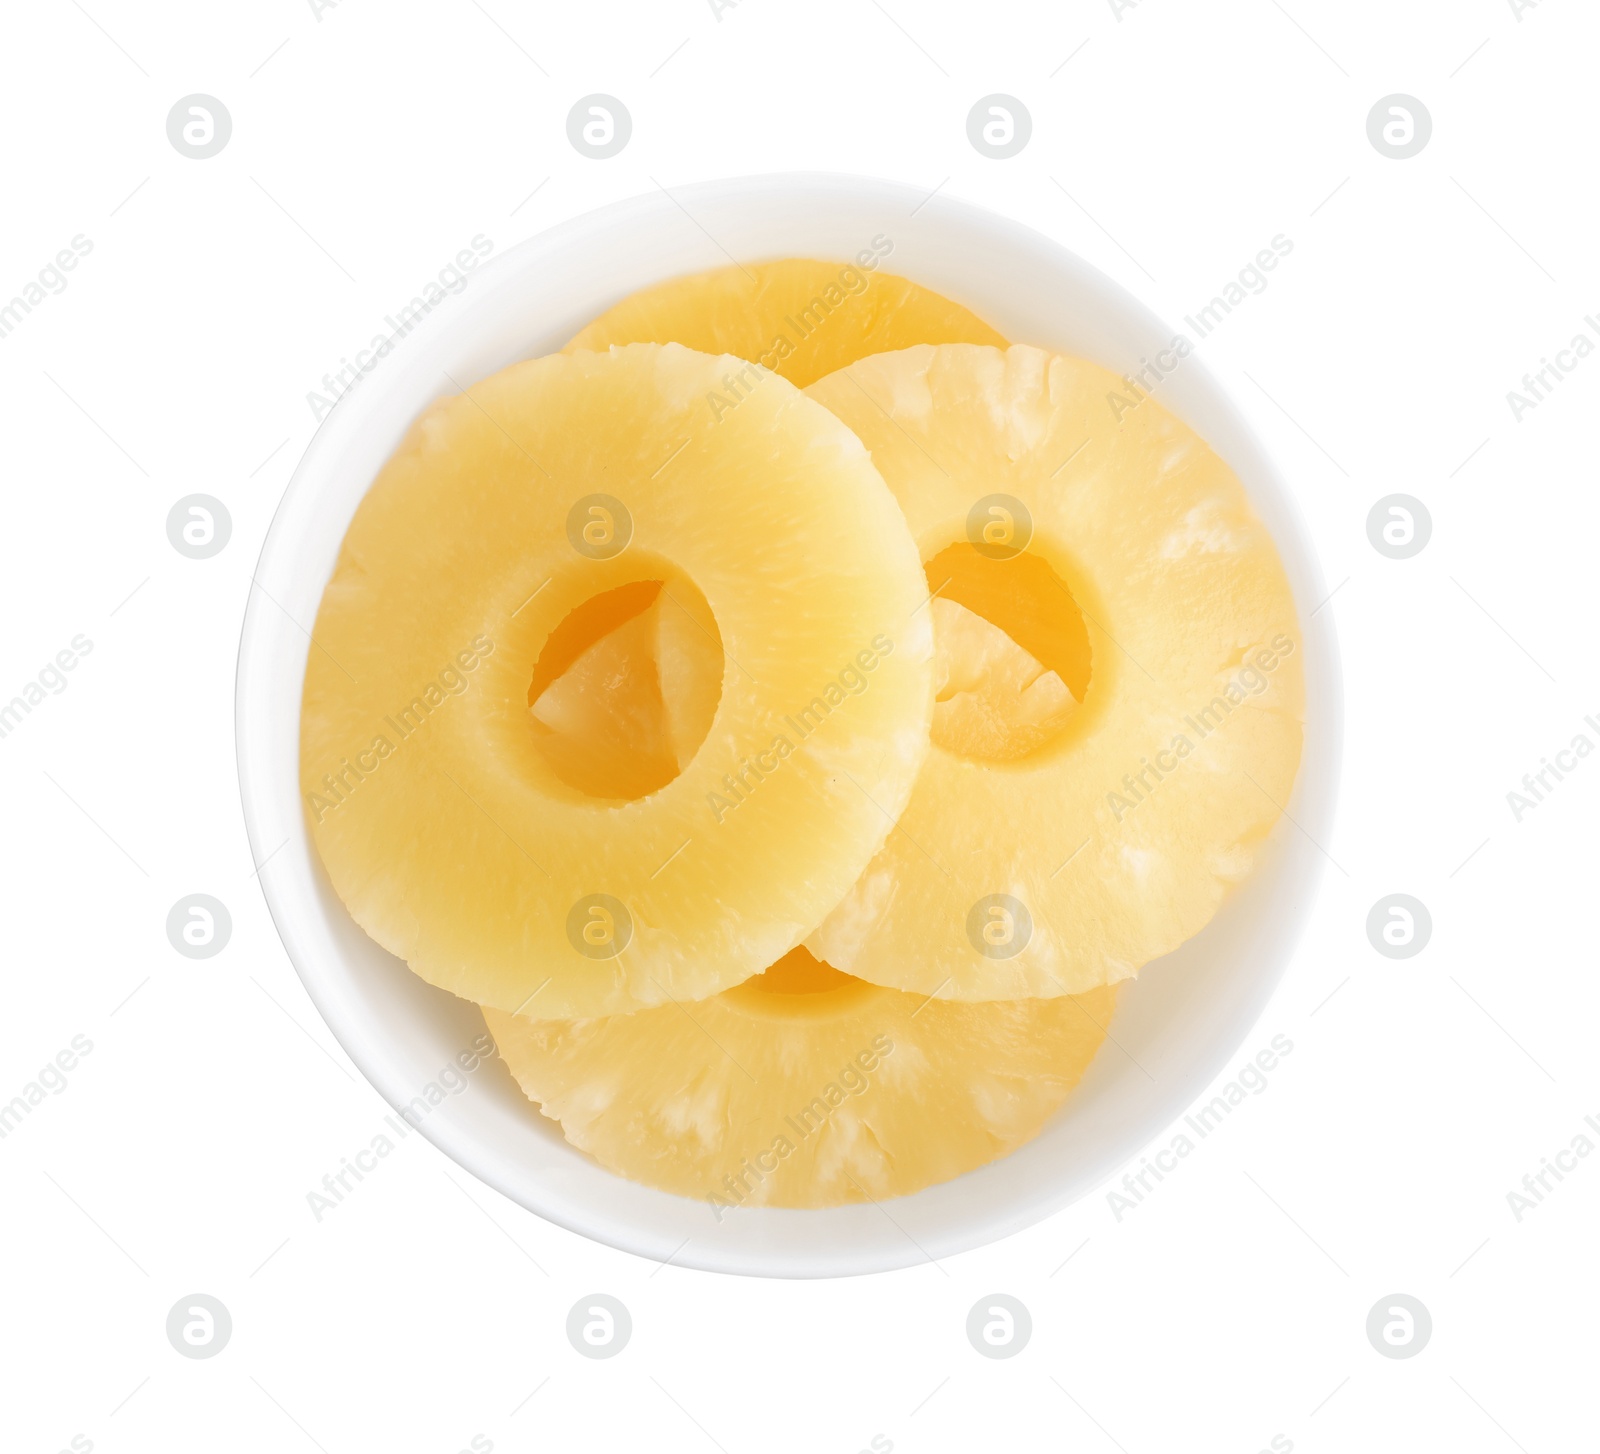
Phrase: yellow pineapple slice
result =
(799, 317)
(605, 728)
(446, 830)
(625, 690)
(689, 665)
(991, 698)
(1150, 587)
(804, 1087)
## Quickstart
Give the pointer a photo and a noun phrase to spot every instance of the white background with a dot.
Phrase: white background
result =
(1170, 144)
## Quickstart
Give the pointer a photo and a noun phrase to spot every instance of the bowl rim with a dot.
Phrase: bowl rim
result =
(1315, 793)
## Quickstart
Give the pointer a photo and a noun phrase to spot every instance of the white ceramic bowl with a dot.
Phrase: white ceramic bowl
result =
(1176, 1027)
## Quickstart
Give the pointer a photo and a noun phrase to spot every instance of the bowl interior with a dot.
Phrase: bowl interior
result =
(1176, 1027)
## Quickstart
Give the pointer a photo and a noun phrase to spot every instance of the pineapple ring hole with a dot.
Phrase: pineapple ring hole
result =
(799, 972)
(1012, 653)
(802, 987)
(626, 686)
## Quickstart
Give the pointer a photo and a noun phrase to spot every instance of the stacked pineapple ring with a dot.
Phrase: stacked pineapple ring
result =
(462, 849)
(641, 667)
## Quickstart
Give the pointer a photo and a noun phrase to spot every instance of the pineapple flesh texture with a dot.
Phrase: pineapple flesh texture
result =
(625, 750)
(1123, 834)
(991, 698)
(801, 318)
(449, 835)
(623, 702)
(804, 1087)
